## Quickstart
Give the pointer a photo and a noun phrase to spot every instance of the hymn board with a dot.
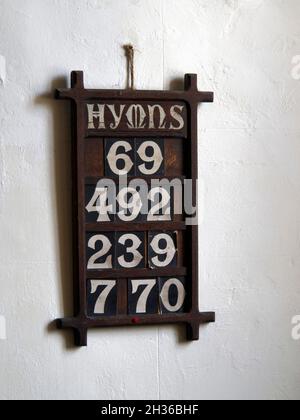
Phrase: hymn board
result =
(134, 189)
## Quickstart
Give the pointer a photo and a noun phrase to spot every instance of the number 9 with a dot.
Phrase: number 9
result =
(169, 250)
(133, 206)
(156, 157)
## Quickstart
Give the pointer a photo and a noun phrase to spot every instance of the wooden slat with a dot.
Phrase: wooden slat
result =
(122, 297)
(94, 181)
(94, 94)
(135, 227)
(136, 273)
(77, 323)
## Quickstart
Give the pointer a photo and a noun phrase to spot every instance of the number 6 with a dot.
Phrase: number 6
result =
(113, 158)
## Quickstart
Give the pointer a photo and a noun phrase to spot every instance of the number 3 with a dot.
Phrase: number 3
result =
(133, 250)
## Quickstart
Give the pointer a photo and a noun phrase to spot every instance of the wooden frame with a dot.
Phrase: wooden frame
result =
(79, 97)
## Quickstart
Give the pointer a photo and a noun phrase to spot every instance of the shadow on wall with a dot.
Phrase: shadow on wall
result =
(61, 183)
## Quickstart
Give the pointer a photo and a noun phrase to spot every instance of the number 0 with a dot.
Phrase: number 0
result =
(165, 293)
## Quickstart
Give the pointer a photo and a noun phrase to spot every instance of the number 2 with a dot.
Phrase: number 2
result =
(105, 248)
(164, 205)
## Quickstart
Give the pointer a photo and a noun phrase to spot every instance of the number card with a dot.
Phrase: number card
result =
(135, 250)
(102, 297)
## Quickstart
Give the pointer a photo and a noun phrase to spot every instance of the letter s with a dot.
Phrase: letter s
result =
(176, 112)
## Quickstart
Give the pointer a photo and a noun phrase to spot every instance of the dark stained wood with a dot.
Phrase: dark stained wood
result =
(190, 94)
(181, 244)
(180, 161)
(191, 320)
(122, 297)
(174, 157)
(121, 227)
(95, 180)
(138, 273)
(94, 159)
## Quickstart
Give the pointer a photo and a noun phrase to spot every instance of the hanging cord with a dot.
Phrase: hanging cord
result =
(129, 51)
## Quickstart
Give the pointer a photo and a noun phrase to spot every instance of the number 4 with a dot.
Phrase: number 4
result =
(98, 205)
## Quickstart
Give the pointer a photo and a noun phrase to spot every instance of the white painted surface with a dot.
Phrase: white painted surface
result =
(2, 70)
(250, 166)
(2, 328)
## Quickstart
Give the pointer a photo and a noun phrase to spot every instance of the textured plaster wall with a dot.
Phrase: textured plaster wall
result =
(250, 191)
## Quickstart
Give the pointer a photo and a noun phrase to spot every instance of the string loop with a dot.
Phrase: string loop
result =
(129, 50)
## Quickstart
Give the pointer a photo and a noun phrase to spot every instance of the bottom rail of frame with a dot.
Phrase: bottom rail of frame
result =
(81, 325)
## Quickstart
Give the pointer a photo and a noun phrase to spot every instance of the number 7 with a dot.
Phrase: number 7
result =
(142, 301)
(101, 301)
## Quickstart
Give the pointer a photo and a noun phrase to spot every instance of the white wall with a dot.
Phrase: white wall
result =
(249, 164)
